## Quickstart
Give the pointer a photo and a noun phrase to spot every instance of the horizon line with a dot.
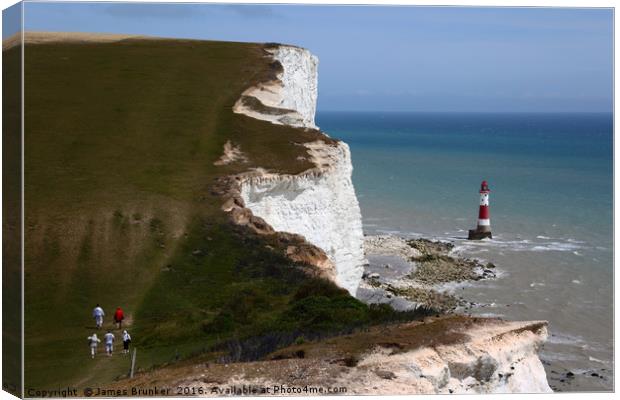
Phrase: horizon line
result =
(469, 112)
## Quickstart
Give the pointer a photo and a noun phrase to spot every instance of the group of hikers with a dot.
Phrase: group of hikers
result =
(109, 338)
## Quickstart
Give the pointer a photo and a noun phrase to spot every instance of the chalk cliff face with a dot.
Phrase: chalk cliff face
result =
(299, 82)
(500, 357)
(292, 97)
(319, 204)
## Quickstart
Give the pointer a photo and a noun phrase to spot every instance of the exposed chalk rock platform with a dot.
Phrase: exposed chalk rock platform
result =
(409, 273)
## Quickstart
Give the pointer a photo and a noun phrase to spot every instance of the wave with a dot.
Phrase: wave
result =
(556, 246)
(405, 234)
(490, 315)
(482, 246)
(390, 232)
(565, 339)
(596, 360)
(453, 287)
(558, 357)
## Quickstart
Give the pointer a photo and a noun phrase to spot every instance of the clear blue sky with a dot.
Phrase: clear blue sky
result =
(397, 58)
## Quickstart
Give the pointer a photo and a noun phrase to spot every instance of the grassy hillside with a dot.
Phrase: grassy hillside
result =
(11, 222)
(120, 142)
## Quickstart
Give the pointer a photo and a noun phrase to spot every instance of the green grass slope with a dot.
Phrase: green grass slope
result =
(11, 223)
(120, 141)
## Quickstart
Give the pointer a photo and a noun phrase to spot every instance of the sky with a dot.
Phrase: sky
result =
(395, 58)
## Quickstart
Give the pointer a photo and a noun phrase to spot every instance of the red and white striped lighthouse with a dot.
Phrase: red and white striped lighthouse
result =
(483, 230)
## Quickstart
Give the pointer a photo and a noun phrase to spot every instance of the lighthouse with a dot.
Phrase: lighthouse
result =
(483, 230)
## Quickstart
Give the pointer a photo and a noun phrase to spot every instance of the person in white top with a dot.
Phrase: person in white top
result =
(98, 315)
(93, 341)
(109, 342)
(126, 341)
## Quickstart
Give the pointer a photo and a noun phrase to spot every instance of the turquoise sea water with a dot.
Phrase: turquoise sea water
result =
(551, 179)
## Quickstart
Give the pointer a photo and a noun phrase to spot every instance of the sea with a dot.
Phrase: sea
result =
(551, 206)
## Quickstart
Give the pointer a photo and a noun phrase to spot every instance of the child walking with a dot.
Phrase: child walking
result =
(93, 341)
(109, 342)
(126, 341)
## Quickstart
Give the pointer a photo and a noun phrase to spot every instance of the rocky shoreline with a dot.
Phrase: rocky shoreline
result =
(417, 271)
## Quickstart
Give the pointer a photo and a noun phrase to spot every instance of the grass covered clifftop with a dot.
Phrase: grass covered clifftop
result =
(120, 143)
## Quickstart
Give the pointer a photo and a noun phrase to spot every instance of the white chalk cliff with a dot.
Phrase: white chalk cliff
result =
(294, 93)
(322, 207)
(497, 357)
(320, 204)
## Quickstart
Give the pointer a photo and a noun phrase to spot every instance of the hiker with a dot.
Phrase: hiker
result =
(126, 341)
(93, 341)
(98, 315)
(109, 342)
(119, 316)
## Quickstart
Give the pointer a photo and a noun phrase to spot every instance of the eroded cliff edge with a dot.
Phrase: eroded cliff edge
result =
(319, 203)
(439, 355)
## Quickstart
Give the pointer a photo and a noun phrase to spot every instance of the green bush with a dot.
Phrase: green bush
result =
(321, 313)
(222, 323)
(318, 287)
